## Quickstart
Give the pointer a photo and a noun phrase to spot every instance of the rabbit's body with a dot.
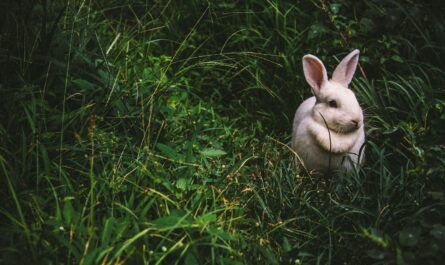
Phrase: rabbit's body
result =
(315, 156)
(328, 130)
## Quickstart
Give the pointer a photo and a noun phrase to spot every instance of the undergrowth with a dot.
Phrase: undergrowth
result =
(157, 132)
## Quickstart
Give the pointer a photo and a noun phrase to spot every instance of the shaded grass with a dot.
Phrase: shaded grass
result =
(140, 133)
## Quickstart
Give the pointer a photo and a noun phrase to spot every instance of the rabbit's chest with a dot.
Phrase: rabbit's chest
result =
(316, 158)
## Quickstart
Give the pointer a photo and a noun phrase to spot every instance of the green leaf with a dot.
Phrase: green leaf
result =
(316, 31)
(409, 236)
(366, 24)
(206, 218)
(376, 254)
(436, 195)
(212, 152)
(147, 74)
(438, 231)
(84, 84)
(335, 7)
(271, 258)
(190, 258)
(107, 78)
(397, 58)
(303, 254)
(169, 152)
(175, 220)
(68, 212)
(89, 258)
(220, 233)
(182, 183)
(399, 258)
(108, 229)
(286, 246)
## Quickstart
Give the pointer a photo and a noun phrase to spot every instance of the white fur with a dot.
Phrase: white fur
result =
(322, 149)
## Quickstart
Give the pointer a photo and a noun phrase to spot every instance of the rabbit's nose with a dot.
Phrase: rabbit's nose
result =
(355, 122)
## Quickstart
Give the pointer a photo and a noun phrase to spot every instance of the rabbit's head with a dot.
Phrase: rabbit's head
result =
(336, 104)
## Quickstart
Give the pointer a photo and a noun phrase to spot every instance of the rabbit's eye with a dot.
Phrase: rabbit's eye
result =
(332, 103)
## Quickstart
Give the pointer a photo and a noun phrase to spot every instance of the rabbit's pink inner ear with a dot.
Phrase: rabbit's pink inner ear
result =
(314, 72)
(346, 68)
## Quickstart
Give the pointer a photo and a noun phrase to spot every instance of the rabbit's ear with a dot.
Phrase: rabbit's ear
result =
(315, 72)
(346, 68)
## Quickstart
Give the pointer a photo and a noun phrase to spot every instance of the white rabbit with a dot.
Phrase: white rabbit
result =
(334, 106)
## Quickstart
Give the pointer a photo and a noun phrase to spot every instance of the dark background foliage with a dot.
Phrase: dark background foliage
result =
(155, 132)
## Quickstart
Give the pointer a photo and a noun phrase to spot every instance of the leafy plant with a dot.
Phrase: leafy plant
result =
(155, 132)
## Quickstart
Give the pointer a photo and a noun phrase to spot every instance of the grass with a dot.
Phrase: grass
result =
(157, 133)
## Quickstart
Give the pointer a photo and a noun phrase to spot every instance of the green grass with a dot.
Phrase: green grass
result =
(157, 132)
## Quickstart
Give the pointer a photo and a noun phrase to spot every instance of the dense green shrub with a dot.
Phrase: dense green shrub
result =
(155, 132)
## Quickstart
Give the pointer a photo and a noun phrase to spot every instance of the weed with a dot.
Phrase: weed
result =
(155, 132)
